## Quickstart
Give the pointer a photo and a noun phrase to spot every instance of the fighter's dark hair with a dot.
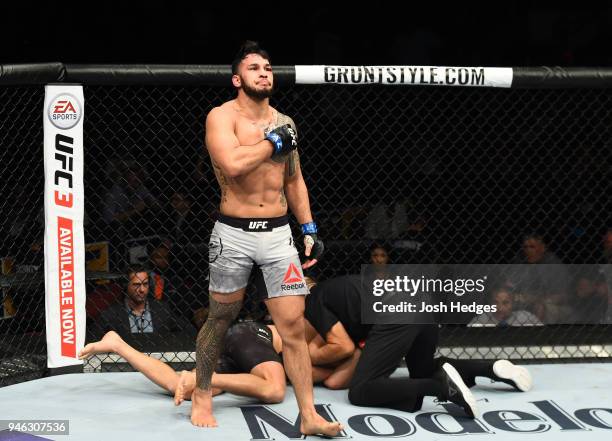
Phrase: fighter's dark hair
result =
(247, 48)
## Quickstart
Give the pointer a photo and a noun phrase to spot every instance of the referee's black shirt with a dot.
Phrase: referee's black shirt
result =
(337, 300)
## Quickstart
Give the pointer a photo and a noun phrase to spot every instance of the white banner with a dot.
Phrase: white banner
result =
(64, 237)
(406, 75)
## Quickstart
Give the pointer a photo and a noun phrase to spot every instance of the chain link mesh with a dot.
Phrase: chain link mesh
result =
(22, 306)
(468, 172)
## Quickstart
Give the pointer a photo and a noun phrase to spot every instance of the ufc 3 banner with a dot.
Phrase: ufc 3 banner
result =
(64, 237)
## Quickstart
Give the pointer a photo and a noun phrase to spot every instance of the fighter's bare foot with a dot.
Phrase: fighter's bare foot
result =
(201, 408)
(109, 343)
(184, 387)
(317, 425)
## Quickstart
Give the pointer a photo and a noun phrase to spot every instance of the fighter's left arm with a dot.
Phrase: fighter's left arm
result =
(297, 196)
(295, 189)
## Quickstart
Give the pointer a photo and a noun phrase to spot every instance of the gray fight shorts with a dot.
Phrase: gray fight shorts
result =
(236, 243)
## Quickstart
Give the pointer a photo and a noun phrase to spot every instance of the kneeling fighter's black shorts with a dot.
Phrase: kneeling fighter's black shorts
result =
(246, 345)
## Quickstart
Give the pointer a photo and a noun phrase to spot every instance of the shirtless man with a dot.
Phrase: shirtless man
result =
(253, 151)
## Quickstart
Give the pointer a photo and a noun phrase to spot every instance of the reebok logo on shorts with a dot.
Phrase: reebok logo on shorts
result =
(293, 279)
(292, 275)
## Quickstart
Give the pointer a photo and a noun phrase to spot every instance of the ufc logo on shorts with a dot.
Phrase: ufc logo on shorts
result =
(63, 107)
(258, 225)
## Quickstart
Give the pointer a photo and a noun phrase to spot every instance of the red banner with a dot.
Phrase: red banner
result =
(65, 250)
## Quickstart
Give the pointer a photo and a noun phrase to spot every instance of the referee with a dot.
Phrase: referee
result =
(334, 310)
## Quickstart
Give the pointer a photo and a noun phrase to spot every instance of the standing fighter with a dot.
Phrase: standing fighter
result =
(253, 151)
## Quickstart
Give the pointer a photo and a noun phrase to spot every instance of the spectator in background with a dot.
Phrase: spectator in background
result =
(137, 313)
(505, 315)
(200, 195)
(129, 204)
(379, 255)
(607, 247)
(25, 234)
(159, 277)
(535, 250)
(352, 222)
(392, 221)
(590, 301)
(540, 282)
(379, 259)
(379, 222)
(184, 227)
(606, 270)
(187, 231)
(180, 212)
(168, 287)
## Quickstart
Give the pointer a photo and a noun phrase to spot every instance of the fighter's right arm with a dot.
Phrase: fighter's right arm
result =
(225, 150)
(336, 346)
(341, 377)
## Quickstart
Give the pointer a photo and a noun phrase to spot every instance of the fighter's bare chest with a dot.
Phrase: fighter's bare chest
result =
(250, 133)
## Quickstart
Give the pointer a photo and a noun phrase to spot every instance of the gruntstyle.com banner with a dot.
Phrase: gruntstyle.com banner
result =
(64, 238)
(406, 75)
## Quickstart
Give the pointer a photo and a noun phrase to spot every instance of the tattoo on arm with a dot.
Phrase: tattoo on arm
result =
(283, 198)
(223, 181)
(293, 162)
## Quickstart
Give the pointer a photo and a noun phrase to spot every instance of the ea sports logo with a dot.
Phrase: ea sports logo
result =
(64, 111)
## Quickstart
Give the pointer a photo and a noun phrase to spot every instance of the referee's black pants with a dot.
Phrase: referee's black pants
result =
(384, 348)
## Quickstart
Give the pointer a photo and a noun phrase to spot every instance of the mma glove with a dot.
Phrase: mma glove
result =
(283, 139)
(312, 242)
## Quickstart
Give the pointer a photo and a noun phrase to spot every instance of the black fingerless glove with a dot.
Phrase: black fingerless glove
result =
(283, 139)
(310, 236)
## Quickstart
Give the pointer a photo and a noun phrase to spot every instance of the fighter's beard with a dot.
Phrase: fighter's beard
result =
(258, 95)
